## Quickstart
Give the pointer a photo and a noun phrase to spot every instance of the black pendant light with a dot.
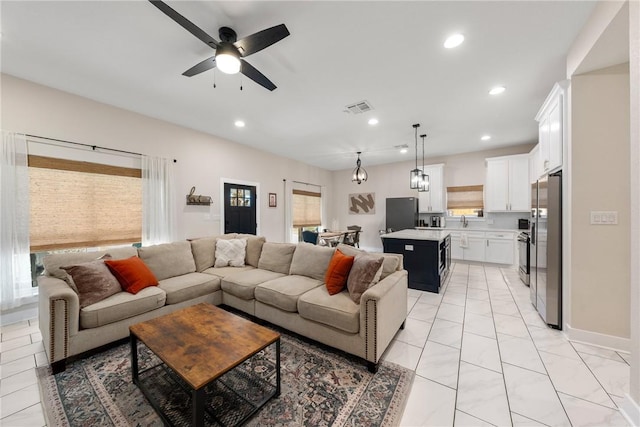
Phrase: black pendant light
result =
(424, 182)
(359, 174)
(415, 176)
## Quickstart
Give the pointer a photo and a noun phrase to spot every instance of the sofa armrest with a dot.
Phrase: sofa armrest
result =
(59, 314)
(383, 309)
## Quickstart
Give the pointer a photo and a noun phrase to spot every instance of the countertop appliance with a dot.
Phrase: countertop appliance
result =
(401, 213)
(546, 248)
(437, 221)
(524, 257)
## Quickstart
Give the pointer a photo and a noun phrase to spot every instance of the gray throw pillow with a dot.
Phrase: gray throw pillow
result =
(93, 281)
(365, 272)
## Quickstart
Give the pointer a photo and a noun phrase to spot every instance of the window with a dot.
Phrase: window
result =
(465, 200)
(306, 209)
(240, 197)
(79, 204)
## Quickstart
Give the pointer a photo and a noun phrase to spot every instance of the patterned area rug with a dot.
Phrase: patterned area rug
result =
(320, 387)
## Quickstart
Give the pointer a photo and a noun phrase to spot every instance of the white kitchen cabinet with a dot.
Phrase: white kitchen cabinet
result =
(534, 169)
(552, 128)
(474, 250)
(499, 247)
(432, 201)
(507, 185)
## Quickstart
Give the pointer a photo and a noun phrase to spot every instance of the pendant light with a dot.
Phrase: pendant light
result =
(424, 183)
(359, 174)
(415, 175)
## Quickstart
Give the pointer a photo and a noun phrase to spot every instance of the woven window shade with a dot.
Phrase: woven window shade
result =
(465, 197)
(306, 208)
(79, 204)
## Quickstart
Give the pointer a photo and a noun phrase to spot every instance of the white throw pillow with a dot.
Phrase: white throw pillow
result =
(230, 252)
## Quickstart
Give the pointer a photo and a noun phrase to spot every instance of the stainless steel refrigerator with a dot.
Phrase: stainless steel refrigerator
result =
(546, 248)
(401, 213)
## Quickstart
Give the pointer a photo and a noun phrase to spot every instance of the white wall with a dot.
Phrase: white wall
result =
(202, 159)
(392, 180)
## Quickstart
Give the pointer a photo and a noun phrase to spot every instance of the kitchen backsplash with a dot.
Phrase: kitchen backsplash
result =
(502, 220)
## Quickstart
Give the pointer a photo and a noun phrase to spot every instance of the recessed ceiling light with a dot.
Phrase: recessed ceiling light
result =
(497, 90)
(404, 150)
(239, 123)
(485, 137)
(454, 41)
(373, 121)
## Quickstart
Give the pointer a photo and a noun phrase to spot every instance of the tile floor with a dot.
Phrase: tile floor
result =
(482, 357)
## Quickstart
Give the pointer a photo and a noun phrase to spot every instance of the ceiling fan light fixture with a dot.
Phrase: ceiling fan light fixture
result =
(227, 60)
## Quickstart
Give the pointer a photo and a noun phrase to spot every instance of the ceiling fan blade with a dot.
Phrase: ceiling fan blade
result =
(203, 66)
(185, 23)
(255, 75)
(262, 39)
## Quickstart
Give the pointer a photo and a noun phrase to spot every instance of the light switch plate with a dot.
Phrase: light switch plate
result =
(604, 217)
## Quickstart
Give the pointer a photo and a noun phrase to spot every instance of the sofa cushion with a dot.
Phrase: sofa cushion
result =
(226, 271)
(254, 248)
(168, 259)
(230, 252)
(276, 257)
(338, 311)
(53, 262)
(132, 273)
(365, 273)
(189, 286)
(243, 284)
(338, 272)
(311, 260)
(93, 281)
(391, 263)
(121, 306)
(204, 252)
(283, 293)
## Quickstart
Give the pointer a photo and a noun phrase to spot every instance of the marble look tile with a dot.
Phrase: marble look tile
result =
(500, 294)
(20, 352)
(552, 341)
(415, 332)
(477, 306)
(479, 325)
(481, 394)
(597, 351)
(625, 356)
(520, 352)
(508, 308)
(12, 368)
(15, 332)
(19, 400)
(439, 411)
(33, 416)
(480, 351)
(618, 400)
(465, 420)
(33, 322)
(37, 337)
(532, 395)
(439, 363)
(430, 298)
(510, 325)
(571, 376)
(411, 301)
(41, 359)
(453, 313)
(480, 294)
(18, 381)
(481, 285)
(614, 376)
(521, 421)
(402, 354)
(454, 298)
(15, 343)
(583, 413)
(532, 318)
(456, 288)
(424, 312)
(413, 293)
(446, 333)
(14, 326)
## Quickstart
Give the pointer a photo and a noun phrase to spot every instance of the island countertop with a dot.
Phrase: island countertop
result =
(411, 234)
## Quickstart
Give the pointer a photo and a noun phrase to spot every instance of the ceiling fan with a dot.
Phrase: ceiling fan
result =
(229, 50)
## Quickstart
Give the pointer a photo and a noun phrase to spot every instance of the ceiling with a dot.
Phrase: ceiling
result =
(130, 55)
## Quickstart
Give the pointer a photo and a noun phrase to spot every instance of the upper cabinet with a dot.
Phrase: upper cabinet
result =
(432, 201)
(507, 185)
(552, 129)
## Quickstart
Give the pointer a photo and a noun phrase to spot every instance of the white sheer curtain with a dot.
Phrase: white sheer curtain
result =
(158, 203)
(15, 266)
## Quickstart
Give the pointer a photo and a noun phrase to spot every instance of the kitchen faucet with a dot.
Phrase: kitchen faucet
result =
(463, 220)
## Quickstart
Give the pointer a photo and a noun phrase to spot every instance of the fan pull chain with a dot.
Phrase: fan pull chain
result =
(240, 81)
(214, 79)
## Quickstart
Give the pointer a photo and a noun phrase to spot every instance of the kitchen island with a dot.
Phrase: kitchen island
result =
(427, 255)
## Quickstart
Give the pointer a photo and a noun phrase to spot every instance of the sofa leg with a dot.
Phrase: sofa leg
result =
(372, 367)
(58, 366)
(402, 326)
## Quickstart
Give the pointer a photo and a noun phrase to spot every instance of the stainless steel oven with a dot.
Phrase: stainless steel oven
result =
(524, 264)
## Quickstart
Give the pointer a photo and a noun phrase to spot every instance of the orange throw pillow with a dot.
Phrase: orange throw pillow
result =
(132, 273)
(338, 272)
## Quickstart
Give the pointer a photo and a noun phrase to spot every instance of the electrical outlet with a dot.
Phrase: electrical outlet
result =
(604, 217)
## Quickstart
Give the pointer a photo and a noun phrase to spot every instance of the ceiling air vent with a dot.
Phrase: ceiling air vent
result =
(358, 107)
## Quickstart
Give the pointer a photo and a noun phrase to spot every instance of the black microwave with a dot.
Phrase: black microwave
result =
(523, 224)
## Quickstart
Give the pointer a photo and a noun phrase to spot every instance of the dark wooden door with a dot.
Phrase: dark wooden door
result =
(239, 208)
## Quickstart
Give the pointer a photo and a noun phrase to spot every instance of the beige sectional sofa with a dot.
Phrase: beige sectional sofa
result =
(280, 283)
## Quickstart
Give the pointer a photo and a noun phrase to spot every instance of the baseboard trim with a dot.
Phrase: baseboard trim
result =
(595, 338)
(631, 411)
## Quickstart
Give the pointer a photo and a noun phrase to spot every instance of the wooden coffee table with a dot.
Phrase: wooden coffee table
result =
(200, 344)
